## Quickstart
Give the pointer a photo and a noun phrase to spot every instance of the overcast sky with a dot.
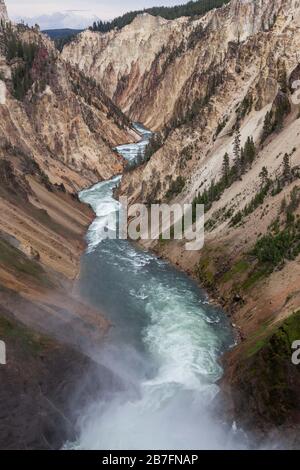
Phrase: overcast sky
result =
(105, 9)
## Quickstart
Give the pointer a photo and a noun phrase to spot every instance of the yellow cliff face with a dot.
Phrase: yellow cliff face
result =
(57, 131)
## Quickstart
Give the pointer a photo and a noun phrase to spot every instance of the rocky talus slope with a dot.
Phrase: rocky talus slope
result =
(57, 131)
(221, 89)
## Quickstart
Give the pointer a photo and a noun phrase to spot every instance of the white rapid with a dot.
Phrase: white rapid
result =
(164, 347)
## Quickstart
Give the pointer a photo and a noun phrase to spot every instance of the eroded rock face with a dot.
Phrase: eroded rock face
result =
(152, 64)
(120, 59)
(62, 120)
(230, 82)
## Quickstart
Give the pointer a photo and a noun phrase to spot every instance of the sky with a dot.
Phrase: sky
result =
(76, 11)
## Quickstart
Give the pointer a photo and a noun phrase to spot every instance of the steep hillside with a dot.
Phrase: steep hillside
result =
(57, 131)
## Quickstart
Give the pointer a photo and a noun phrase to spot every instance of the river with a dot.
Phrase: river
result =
(164, 346)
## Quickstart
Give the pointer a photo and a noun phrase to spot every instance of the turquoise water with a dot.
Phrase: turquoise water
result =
(164, 346)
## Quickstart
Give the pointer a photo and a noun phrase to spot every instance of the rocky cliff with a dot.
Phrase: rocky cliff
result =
(64, 120)
(221, 89)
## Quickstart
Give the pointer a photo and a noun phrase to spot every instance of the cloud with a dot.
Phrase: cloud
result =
(77, 13)
(77, 19)
(36, 8)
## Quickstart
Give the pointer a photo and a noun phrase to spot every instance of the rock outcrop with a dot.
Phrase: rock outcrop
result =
(54, 114)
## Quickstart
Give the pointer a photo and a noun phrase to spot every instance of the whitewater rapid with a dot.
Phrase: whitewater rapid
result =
(164, 347)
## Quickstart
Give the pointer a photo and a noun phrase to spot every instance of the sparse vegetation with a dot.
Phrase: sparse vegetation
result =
(13, 259)
(221, 126)
(214, 78)
(156, 141)
(25, 54)
(257, 200)
(268, 186)
(281, 244)
(275, 117)
(245, 107)
(176, 187)
(243, 159)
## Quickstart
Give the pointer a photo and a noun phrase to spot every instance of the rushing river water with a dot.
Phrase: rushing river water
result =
(165, 343)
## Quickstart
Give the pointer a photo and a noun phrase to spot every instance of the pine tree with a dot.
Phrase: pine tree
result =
(249, 150)
(226, 169)
(237, 152)
(283, 80)
(283, 205)
(264, 177)
(268, 126)
(243, 161)
(287, 171)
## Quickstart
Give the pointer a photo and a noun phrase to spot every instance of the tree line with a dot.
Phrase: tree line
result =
(190, 9)
(15, 48)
